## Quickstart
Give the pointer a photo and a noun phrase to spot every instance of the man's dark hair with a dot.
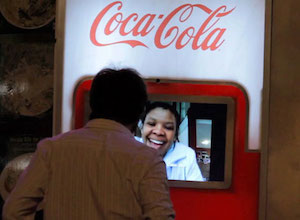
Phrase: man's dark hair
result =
(150, 106)
(118, 95)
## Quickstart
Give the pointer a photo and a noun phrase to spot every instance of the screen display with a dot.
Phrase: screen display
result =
(195, 152)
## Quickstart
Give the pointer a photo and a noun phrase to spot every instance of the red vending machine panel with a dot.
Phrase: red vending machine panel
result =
(230, 189)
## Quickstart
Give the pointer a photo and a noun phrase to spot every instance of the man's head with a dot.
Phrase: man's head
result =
(119, 95)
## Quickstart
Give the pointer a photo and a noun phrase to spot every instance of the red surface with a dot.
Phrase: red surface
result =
(240, 201)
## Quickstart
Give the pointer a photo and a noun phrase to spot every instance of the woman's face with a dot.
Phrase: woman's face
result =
(159, 129)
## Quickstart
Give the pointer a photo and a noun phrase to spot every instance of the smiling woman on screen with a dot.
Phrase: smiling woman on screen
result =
(160, 124)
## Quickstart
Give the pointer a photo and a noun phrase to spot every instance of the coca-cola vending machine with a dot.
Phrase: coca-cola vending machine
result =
(205, 58)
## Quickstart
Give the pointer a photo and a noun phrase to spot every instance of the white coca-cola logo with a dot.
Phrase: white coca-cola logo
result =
(207, 35)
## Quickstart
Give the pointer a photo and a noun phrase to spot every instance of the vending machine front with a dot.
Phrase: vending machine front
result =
(213, 123)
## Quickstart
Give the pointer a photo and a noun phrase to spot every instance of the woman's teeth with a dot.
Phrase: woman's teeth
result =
(156, 141)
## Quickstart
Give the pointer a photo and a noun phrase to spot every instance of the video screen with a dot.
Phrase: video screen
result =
(195, 149)
(194, 135)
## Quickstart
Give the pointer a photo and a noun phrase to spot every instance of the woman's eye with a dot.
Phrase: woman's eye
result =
(171, 128)
(151, 123)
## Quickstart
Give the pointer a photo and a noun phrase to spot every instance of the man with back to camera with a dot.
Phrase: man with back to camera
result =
(99, 171)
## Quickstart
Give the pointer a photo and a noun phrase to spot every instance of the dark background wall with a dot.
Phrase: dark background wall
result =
(26, 77)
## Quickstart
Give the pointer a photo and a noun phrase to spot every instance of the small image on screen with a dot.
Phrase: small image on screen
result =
(203, 145)
(193, 150)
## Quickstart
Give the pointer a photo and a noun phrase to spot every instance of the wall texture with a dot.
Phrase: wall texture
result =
(283, 177)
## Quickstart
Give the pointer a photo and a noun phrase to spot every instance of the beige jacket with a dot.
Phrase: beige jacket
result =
(97, 172)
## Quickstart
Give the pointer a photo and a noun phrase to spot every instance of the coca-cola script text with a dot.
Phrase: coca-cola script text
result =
(208, 35)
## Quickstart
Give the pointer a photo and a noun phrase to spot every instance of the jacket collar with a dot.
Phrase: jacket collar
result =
(108, 125)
